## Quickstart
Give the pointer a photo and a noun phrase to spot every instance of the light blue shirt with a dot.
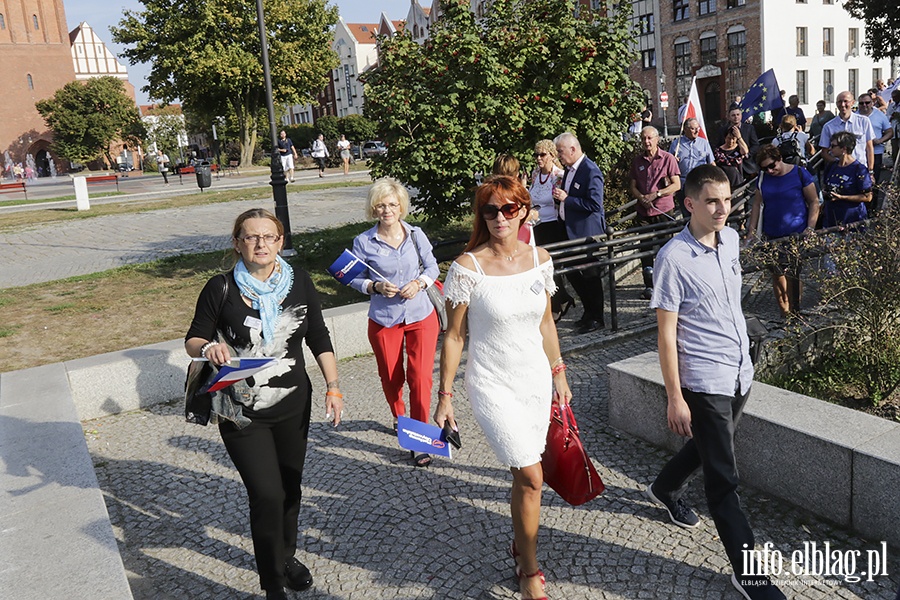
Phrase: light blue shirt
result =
(691, 154)
(400, 266)
(703, 286)
(858, 125)
(881, 125)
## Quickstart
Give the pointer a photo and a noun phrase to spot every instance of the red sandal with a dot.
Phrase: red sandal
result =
(515, 556)
(538, 573)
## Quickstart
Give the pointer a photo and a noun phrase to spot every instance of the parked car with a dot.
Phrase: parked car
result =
(373, 148)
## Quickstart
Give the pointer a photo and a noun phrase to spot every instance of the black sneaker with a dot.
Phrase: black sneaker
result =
(297, 575)
(276, 594)
(756, 587)
(679, 512)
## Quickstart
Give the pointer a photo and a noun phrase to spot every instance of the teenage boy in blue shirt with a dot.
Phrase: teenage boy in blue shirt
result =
(705, 361)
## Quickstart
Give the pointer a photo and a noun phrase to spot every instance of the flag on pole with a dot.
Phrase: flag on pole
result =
(763, 95)
(232, 373)
(348, 266)
(693, 110)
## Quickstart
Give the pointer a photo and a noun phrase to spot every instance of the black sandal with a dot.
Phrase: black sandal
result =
(420, 460)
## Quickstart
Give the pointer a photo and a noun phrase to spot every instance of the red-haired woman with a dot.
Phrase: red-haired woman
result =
(498, 293)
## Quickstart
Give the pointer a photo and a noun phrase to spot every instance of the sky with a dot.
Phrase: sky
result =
(101, 15)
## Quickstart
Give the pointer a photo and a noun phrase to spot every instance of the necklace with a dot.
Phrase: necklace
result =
(497, 254)
(398, 236)
(543, 179)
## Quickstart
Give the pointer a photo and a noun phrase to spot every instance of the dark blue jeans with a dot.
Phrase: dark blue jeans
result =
(713, 420)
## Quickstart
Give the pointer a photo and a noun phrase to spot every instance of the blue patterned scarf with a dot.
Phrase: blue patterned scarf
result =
(266, 296)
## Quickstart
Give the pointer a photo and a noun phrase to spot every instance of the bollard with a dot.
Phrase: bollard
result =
(82, 201)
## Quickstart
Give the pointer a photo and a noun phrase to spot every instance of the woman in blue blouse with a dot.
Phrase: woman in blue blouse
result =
(847, 185)
(402, 266)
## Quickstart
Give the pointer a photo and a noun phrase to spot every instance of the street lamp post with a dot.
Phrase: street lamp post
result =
(278, 182)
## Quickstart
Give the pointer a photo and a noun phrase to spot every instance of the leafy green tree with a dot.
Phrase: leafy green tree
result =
(530, 69)
(882, 18)
(208, 54)
(358, 128)
(329, 126)
(87, 116)
(166, 128)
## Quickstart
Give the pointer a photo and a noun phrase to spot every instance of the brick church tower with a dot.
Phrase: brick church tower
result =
(36, 61)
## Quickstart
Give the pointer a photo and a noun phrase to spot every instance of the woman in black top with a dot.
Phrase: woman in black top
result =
(268, 310)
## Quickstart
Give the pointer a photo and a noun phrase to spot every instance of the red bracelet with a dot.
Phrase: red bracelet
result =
(558, 369)
(443, 393)
(334, 394)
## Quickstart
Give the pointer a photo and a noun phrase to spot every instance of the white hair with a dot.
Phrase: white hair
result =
(568, 139)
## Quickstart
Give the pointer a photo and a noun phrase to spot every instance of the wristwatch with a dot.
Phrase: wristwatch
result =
(658, 194)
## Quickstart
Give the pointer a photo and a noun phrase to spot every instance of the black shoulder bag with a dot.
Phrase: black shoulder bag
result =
(435, 291)
(197, 406)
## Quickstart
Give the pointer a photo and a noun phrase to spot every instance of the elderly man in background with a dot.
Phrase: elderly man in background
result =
(654, 180)
(857, 124)
(883, 132)
(690, 150)
(580, 199)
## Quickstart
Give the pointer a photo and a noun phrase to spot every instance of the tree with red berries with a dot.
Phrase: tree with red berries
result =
(526, 70)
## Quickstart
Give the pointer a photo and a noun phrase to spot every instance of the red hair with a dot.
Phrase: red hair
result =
(508, 188)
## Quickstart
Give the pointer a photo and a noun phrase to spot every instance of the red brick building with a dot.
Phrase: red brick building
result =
(36, 61)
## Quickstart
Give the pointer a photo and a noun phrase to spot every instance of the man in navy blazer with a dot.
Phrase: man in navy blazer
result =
(580, 198)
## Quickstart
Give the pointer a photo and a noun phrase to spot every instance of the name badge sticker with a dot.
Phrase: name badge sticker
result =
(253, 323)
(577, 187)
(537, 287)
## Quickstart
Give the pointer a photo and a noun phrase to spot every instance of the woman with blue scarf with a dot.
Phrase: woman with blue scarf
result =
(263, 307)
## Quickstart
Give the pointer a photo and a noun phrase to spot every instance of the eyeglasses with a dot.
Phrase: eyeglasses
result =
(252, 240)
(393, 206)
(861, 102)
(768, 167)
(540, 154)
(490, 211)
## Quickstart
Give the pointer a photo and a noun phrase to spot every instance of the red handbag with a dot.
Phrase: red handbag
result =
(567, 467)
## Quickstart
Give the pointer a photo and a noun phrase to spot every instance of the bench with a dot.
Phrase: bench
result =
(11, 188)
(102, 179)
(190, 170)
(233, 167)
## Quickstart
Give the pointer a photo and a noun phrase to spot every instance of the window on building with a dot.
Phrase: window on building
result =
(736, 3)
(682, 68)
(648, 58)
(708, 50)
(827, 1)
(853, 41)
(34, 20)
(801, 86)
(828, 41)
(707, 7)
(801, 1)
(853, 81)
(2, 21)
(30, 81)
(737, 63)
(828, 85)
(682, 9)
(646, 24)
(801, 41)
(876, 75)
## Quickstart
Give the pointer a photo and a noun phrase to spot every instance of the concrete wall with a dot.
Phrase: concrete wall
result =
(838, 463)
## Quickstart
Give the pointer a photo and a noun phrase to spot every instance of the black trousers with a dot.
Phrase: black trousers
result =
(877, 202)
(713, 420)
(548, 232)
(588, 285)
(647, 261)
(269, 458)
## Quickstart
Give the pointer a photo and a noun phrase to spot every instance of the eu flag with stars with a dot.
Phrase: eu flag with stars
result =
(763, 95)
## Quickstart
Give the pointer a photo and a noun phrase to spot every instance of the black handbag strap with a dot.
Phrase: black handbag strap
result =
(225, 277)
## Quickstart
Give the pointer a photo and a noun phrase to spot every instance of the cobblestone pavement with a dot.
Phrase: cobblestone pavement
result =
(83, 246)
(372, 526)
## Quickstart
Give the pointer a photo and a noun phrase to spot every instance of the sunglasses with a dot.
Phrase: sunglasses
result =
(540, 154)
(768, 167)
(490, 211)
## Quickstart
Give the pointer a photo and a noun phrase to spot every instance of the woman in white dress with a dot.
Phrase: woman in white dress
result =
(498, 292)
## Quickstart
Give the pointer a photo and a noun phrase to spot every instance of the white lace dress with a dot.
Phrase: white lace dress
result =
(508, 376)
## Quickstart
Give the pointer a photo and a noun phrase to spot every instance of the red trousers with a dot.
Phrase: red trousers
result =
(421, 345)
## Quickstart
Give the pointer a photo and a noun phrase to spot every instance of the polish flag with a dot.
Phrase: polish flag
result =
(694, 111)
(232, 373)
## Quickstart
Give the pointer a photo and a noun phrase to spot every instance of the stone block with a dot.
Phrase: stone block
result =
(876, 479)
